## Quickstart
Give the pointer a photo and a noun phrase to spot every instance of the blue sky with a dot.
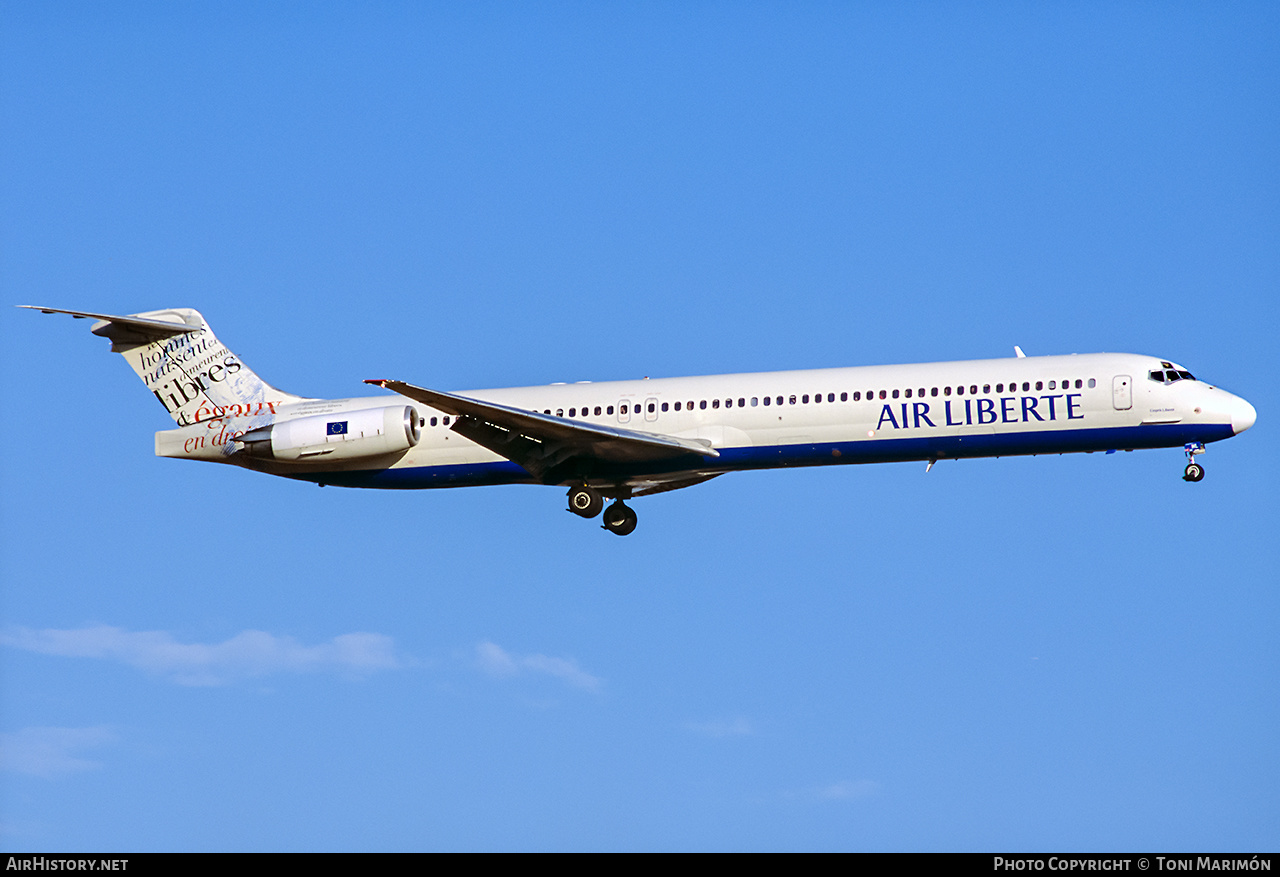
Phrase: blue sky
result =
(1069, 652)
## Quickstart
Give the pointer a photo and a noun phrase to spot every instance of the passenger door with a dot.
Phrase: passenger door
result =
(1122, 392)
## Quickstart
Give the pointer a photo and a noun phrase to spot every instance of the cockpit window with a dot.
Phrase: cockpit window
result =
(1169, 376)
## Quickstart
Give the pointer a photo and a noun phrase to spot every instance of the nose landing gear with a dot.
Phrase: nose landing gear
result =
(1194, 471)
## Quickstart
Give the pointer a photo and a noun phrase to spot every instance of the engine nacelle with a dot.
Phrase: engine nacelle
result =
(370, 432)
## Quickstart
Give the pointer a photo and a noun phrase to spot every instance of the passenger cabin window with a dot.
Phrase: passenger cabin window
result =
(844, 397)
(1092, 383)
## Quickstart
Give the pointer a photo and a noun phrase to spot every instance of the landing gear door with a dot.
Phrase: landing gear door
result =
(1122, 392)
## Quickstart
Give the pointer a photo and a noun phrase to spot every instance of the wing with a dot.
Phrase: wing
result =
(550, 448)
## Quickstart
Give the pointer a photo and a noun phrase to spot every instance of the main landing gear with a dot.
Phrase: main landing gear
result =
(619, 518)
(1194, 471)
(585, 502)
(588, 502)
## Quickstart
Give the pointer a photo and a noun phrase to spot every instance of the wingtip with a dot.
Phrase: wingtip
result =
(377, 382)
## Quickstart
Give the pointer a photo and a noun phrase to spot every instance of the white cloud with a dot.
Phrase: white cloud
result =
(738, 727)
(248, 654)
(496, 661)
(51, 752)
(845, 790)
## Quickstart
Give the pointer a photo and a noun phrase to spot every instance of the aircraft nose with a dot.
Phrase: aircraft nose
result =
(1242, 414)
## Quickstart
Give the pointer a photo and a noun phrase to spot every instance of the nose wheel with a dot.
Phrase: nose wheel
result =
(1194, 471)
(619, 519)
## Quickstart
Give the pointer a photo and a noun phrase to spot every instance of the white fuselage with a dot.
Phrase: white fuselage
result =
(927, 411)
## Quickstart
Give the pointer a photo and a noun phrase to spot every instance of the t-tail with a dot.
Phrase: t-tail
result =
(189, 371)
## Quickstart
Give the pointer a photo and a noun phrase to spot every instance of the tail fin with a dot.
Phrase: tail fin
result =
(193, 375)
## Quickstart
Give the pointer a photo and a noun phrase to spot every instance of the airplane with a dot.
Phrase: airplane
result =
(624, 439)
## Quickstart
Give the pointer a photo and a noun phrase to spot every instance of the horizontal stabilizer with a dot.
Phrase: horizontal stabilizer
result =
(140, 325)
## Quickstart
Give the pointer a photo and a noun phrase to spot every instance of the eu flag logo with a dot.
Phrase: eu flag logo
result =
(337, 428)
